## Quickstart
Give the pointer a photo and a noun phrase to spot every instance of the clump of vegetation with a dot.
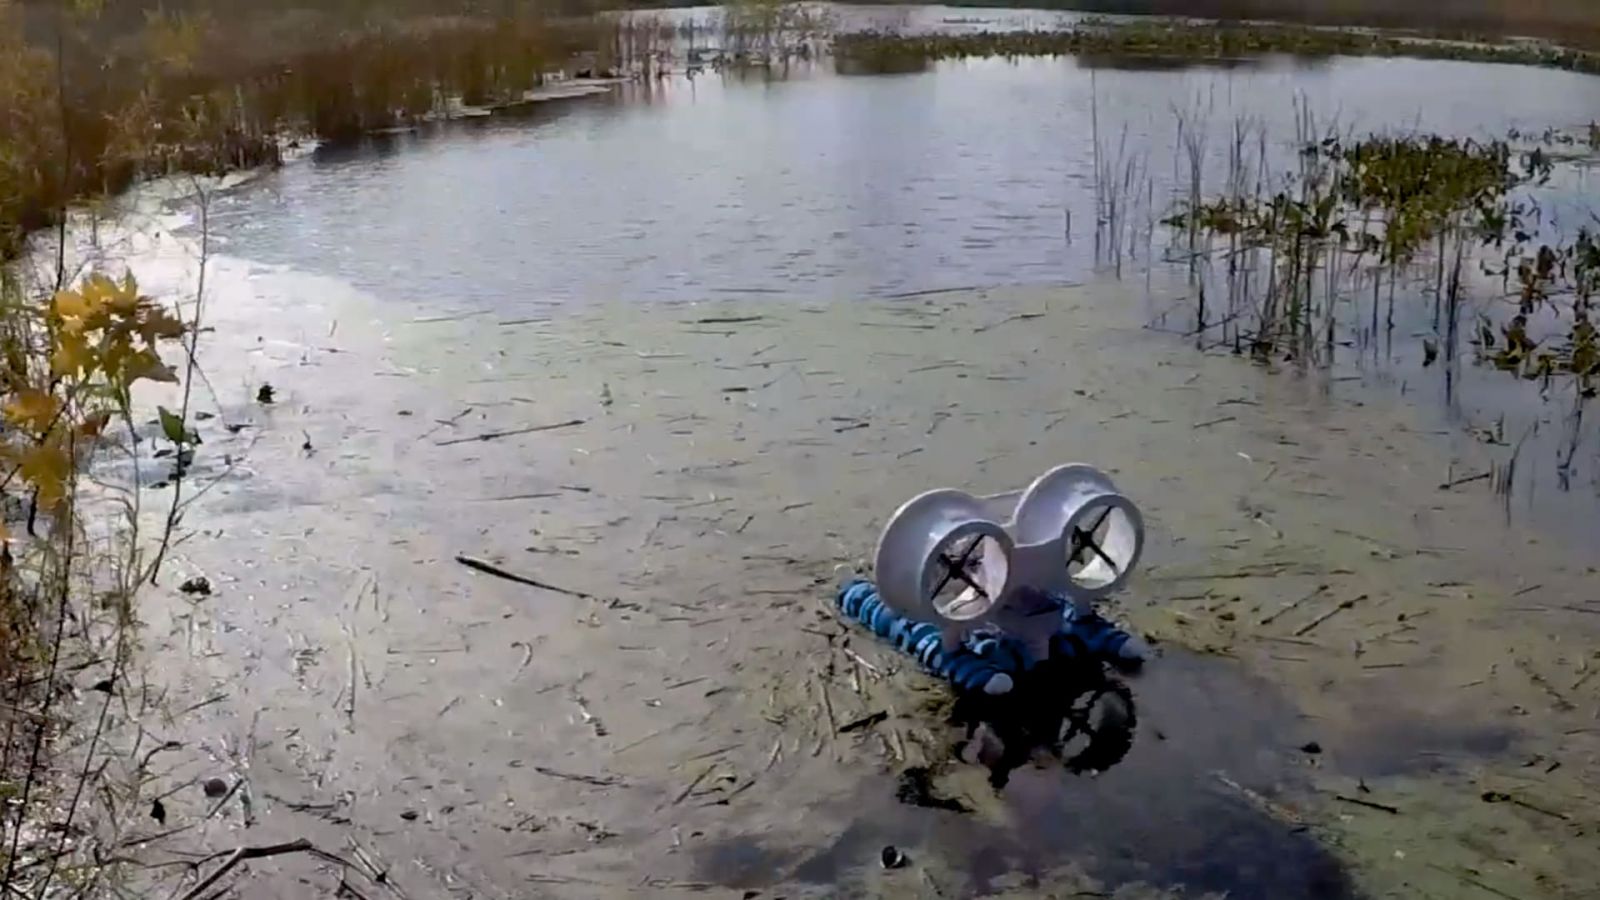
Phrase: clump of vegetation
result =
(68, 368)
(1386, 211)
(1191, 41)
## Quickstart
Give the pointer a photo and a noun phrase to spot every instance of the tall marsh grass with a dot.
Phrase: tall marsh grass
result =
(84, 112)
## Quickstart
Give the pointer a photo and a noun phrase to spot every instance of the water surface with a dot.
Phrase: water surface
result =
(799, 183)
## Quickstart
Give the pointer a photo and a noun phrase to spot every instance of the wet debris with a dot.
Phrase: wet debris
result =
(266, 395)
(864, 722)
(1503, 797)
(199, 585)
(915, 788)
(892, 858)
(1311, 747)
(215, 787)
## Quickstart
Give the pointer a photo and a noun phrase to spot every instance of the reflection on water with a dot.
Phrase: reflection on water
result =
(1188, 809)
(797, 182)
(813, 185)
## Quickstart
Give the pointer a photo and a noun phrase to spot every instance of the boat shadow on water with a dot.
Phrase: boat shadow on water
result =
(1196, 794)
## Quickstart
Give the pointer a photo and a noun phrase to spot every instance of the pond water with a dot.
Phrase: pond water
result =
(814, 185)
(679, 350)
(805, 184)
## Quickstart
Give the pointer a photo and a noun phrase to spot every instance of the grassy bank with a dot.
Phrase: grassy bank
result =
(1192, 41)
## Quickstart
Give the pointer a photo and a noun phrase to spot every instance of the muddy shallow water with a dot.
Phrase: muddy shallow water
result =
(668, 732)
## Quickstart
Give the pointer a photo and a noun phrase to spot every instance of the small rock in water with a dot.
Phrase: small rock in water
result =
(215, 787)
(199, 585)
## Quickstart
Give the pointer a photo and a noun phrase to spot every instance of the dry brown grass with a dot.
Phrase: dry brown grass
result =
(86, 107)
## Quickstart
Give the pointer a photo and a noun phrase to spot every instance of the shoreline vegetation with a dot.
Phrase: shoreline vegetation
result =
(91, 103)
(1193, 41)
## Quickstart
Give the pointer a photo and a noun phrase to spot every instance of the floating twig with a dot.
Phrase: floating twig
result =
(1283, 609)
(496, 435)
(527, 654)
(689, 789)
(1307, 628)
(1502, 797)
(595, 780)
(827, 706)
(491, 569)
(1019, 317)
(1381, 807)
(1468, 879)
(728, 320)
(1481, 476)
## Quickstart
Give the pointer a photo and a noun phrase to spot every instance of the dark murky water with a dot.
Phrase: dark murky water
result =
(1205, 804)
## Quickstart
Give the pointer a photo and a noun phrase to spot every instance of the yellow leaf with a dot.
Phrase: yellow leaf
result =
(98, 290)
(72, 355)
(33, 409)
(72, 305)
(46, 468)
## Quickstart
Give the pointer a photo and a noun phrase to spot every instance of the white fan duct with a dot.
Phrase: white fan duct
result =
(968, 563)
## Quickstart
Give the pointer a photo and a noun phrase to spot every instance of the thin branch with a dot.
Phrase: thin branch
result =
(70, 527)
(246, 853)
(188, 379)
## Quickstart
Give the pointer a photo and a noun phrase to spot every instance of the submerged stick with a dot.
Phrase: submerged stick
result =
(495, 435)
(491, 569)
